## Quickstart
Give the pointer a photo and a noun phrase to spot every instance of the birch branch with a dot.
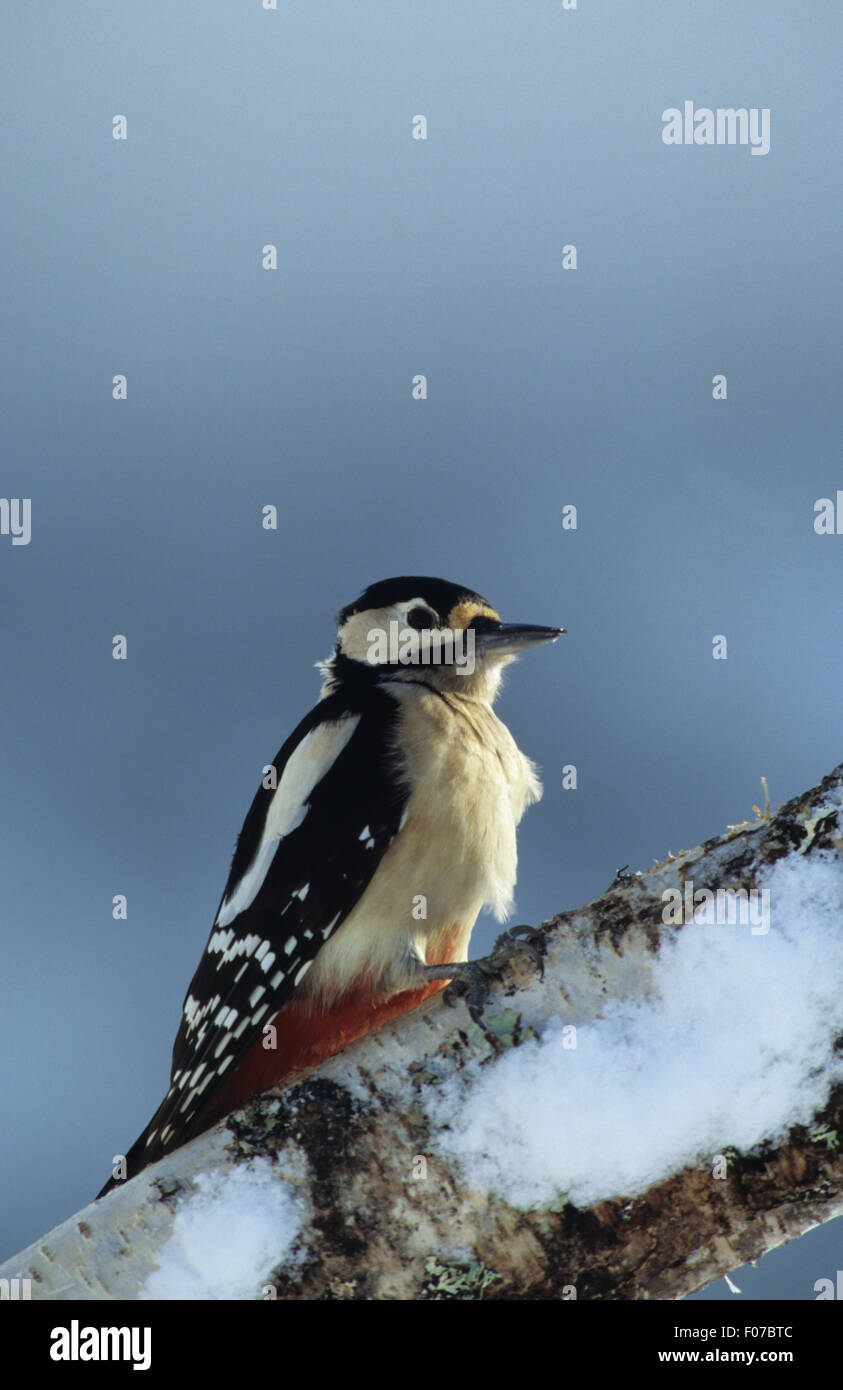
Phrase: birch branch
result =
(348, 1183)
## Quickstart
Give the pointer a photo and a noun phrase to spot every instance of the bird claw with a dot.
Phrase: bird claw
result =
(531, 935)
(470, 980)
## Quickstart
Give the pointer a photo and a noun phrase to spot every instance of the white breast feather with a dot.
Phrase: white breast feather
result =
(456, 849)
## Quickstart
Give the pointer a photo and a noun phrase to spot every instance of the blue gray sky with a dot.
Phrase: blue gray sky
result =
(547, 387)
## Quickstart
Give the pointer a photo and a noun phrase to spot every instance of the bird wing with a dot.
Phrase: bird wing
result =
(308, 849)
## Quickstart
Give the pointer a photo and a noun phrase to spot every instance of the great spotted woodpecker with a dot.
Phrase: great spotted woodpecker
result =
(365, 859)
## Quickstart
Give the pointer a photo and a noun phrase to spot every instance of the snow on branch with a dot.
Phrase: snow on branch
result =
(663, 1105)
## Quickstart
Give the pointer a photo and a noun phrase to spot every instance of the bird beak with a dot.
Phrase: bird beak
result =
(512, 638)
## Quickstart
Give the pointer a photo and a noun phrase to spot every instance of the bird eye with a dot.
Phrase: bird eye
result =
(421, 618)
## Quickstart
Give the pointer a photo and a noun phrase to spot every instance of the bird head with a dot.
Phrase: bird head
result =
(417, 628)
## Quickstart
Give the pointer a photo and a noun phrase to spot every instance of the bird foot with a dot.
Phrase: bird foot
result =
(471, 980)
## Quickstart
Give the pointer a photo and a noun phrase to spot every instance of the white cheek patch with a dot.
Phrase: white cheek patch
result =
(356, 635)
(305, 768)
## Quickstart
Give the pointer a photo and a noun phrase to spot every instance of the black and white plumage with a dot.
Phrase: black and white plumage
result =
(400, 784)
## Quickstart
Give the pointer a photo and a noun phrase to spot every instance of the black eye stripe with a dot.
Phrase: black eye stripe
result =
(420, 618)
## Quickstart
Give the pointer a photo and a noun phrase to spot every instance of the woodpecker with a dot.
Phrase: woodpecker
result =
(386, 823)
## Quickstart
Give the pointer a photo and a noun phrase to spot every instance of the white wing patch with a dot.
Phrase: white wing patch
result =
(305, 767)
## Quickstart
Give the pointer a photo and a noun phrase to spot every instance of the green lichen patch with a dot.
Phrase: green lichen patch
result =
(456, 1280)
